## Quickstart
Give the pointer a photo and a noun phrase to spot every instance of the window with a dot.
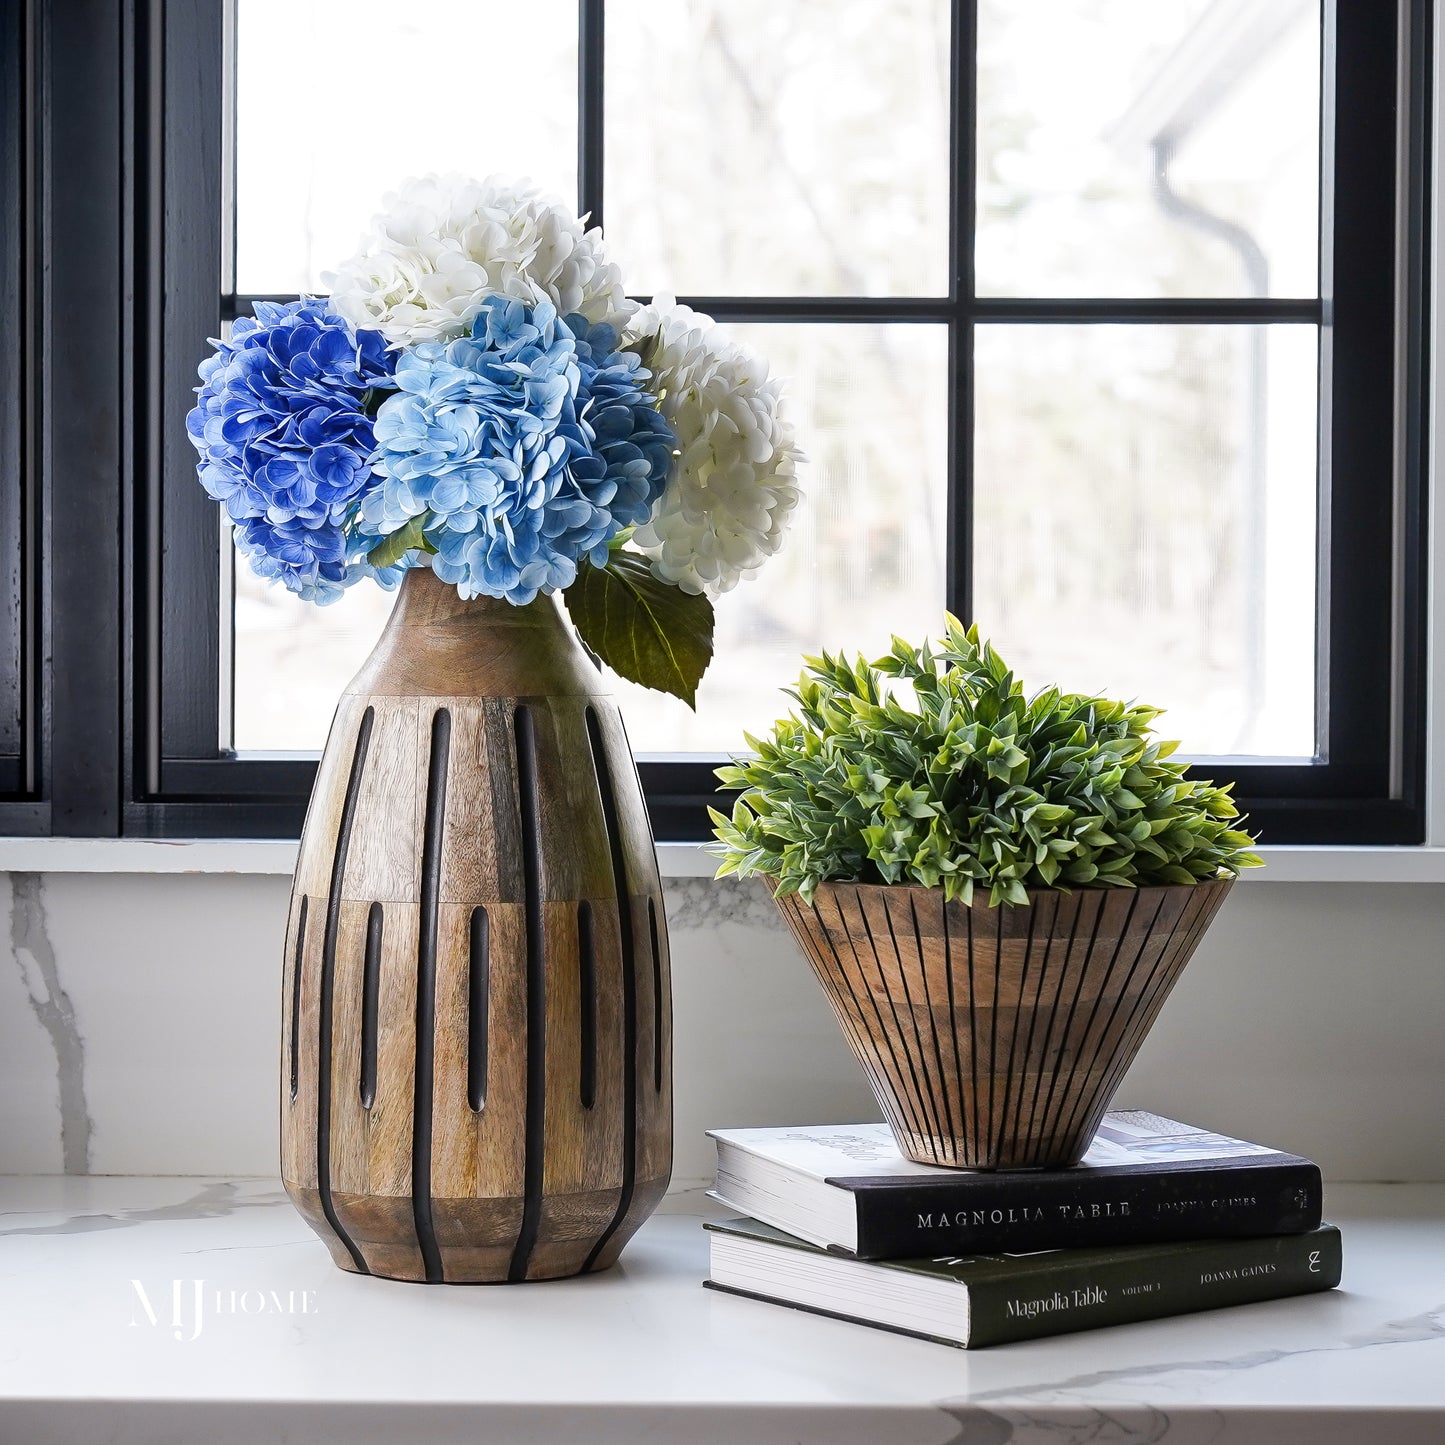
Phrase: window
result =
(1103, 322)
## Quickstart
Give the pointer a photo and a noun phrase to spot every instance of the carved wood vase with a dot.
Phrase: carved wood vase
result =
(476, 1077)
(995, 1038)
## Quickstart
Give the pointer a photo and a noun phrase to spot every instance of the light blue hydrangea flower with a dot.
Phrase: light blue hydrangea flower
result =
(285, 442)
(526, 447)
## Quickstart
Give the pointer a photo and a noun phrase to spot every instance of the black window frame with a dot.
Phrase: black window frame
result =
(17, 610)
(111, 239)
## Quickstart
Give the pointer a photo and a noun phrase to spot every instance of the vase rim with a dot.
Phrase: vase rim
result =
(1225, 879)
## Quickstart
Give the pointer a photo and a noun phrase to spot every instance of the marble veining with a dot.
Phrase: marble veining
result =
(1116, 1427)
(1075, 1420)
(214, 1200)
(704, 903)
(35, 956)
(1427, 1325)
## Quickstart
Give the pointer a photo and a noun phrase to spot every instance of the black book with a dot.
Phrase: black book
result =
(994, 1299)
(1145, 1179)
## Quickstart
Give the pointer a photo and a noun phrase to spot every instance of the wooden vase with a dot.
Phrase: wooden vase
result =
(476, 1075)
(995, 1038)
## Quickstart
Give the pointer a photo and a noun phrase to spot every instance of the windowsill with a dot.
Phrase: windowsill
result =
(263, 857)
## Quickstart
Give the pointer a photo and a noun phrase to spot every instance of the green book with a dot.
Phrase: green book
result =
(992, 1299)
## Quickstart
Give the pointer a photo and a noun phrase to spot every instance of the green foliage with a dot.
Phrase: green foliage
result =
(395, 545)
(931, 766)
(644, 629)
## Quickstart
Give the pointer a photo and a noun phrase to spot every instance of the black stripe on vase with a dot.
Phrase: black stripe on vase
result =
(524, 730)
(1087, 1097)
(924, 1134)
(1117, 977)
(586, 1007)
(835, 981)
(608, 800)
(479, 992)
(939, 1068)
(296, 964)
(971, 1123)
(656, 995)
(964, 1100)
(883, 1084)
(426, 991)
(1028, 1065)
(328, 989)
(1017, 1013)
(1126, 1043)
(996, 956)
(1173, 956)
(370, 998)
(1055, 1009)
(1081, 972)
(932, 1113)
(891, 1084)
(849, 1012)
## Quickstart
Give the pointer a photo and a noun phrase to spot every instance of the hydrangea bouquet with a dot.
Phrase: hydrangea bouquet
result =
(478, 396)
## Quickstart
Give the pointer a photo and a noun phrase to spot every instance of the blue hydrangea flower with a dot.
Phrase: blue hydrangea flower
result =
(284, 441)
(528, 446)
(318, 563)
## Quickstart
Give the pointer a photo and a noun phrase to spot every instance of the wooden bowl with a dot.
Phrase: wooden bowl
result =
(995, 1038)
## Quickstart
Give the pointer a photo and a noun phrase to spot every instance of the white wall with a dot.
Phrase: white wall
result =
(139, 1024)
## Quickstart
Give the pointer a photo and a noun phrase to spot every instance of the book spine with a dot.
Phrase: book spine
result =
(988, 1214)
(1149, 1284)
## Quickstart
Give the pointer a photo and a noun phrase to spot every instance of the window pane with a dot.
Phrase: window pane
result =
(779, 147)
(338, 100)
(1131, 148)
(292, 659)
(1145, 518)
(865, 557)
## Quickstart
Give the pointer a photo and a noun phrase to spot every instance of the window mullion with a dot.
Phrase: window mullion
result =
(962, 193)
(958, 565)
(20, 352)
(83, 425)
(591, 73)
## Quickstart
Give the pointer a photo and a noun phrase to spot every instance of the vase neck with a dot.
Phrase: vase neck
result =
(438, 644)
(425, 599)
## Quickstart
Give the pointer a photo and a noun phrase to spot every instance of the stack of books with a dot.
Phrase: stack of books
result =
(1158, 1219)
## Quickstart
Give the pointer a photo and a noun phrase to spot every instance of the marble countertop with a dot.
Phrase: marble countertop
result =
(101, 1341)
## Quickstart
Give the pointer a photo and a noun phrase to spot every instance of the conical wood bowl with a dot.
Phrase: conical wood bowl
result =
(995, 1038)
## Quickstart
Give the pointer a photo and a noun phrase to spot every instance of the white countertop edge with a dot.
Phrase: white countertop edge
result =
(676, 860)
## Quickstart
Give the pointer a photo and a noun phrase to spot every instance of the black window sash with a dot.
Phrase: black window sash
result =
(18, 386)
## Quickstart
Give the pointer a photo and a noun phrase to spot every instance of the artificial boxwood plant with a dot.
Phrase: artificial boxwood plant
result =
(931, 766)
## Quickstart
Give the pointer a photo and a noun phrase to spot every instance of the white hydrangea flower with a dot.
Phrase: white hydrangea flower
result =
(445, 243)
(733, 486)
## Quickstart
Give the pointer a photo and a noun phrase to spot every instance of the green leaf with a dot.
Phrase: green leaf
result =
(395, 545)
(644, 629)
(372, 398)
